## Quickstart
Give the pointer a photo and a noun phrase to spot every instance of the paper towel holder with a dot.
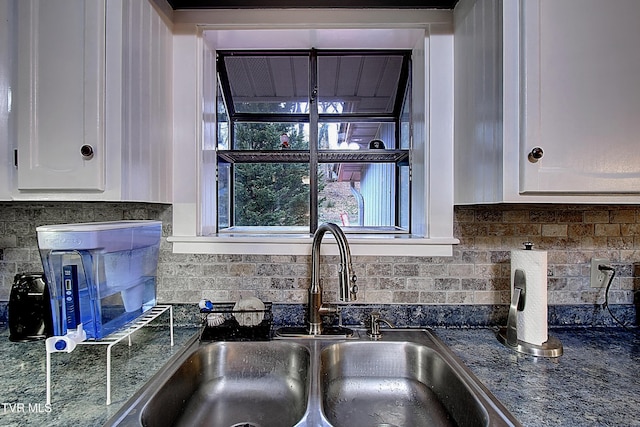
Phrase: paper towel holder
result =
(509, 335)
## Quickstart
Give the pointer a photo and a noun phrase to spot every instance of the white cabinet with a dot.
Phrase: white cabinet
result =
(6, 85)
(60, 95)
(560, 75)
(93, 115)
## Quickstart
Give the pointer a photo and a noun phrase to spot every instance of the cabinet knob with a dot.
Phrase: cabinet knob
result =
(86, 151)
(535, 154)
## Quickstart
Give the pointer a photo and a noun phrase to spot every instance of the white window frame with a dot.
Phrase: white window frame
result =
(428, 33)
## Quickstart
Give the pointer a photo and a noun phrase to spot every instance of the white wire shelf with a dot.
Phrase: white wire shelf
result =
(324, 156)
(114, 338)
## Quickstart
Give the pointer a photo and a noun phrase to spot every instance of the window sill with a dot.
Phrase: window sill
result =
(360, 245)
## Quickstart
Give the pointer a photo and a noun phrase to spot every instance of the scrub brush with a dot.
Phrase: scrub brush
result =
(214, 319)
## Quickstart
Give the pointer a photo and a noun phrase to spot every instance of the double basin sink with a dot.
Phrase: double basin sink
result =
(408, 378)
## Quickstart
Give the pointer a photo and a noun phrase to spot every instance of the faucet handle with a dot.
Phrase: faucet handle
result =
(353, 289)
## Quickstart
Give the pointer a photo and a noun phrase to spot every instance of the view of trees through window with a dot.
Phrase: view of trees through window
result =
(271, 194)
(259, 115)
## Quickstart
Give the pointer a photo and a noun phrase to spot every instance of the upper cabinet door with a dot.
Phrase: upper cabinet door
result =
(60, 95)
(580, 65)
(7, 75)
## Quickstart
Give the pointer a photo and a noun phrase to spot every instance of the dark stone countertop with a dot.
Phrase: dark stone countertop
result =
(78, 391)
(595, 382)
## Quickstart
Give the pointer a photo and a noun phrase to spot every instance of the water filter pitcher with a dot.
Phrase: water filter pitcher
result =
(101, 275)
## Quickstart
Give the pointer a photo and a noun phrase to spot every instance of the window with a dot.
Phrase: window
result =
(198, 39)
(312, 136)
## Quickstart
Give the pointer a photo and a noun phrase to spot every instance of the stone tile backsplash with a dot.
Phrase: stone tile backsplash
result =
(476, 274)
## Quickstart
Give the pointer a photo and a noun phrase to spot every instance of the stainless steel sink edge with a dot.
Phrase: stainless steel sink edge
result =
(502, 416)
(131, 413)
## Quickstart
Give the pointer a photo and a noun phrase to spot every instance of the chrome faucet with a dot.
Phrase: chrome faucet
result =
(348, 287)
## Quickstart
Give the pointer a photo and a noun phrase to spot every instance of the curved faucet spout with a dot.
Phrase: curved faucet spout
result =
(348, 287)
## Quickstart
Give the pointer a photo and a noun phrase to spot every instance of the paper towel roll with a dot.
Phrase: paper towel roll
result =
(532, 321)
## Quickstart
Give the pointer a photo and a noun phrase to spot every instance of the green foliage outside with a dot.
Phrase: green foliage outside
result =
(270, 194)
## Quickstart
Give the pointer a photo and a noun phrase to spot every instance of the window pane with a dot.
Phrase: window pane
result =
(403, 198)
(223, 122)
(269, 84)
(360, 194)
(355, 135)
(405, 120)
(358, 83)
(336, 201)
(272, 194)
(224, 195)
(271, 136)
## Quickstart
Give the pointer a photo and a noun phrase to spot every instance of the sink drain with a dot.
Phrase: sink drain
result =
(245, 425)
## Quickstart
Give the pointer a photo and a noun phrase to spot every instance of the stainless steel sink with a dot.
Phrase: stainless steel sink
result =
(394, 384)
(233, 384)
(408, 378)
